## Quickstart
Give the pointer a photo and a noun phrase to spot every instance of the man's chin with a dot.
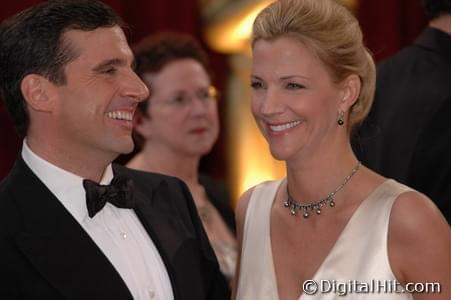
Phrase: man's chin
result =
(124, 147)
(127, 148)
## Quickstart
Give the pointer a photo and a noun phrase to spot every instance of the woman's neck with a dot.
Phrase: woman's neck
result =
(311, 179)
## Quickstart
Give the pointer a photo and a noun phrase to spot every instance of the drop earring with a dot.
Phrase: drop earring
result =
(340, 120)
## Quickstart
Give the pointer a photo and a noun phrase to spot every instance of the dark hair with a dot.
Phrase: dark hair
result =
(436, 8)
(32, 42)
(154, 52)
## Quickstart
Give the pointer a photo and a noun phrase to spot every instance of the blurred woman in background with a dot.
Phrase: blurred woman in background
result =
(178, 125)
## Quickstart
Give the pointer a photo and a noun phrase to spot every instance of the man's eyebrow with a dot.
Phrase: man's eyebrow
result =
(108, 64)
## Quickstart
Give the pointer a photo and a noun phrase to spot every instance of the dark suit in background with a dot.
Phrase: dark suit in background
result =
(407, 135)
(220, 198)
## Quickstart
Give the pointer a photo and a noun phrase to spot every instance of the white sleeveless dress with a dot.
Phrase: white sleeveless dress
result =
(359, 254)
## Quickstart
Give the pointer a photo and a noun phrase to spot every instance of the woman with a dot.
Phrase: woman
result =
(331, 220)
(179, 124)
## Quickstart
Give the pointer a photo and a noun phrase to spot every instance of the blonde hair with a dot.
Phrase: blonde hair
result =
(332, 33)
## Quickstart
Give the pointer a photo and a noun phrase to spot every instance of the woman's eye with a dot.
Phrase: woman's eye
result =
(294, 86)
(256, 85)
(203, 95)
(179, 99)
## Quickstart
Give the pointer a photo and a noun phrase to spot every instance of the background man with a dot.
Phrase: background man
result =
(407, 135)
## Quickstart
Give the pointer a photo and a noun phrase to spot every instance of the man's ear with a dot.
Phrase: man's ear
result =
(351, 91)
(38, 92)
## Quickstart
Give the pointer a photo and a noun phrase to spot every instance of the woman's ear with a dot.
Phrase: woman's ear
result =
(141, 124)
(351, 91)
(37, 92)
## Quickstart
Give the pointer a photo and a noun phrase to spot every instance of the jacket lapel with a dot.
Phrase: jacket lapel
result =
(58, 247)
(161, 228)
(157, 208)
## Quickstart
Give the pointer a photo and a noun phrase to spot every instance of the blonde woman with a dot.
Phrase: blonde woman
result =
(331, 220)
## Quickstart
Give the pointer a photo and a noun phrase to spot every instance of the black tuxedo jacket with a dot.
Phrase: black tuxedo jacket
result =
(45, 253)
(407, 135)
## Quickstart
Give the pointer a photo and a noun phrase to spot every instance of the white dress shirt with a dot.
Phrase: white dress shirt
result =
(116, 231)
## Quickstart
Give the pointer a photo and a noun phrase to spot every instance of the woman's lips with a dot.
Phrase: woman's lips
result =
(199, 130)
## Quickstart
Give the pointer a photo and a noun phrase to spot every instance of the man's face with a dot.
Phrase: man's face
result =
(95, 107)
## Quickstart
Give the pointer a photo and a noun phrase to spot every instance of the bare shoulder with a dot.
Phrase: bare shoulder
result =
(243, 201)
(419, 240)
(241, 208)
(414, 213)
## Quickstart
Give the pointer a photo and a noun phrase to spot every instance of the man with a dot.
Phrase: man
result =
(407, 135)
(68, 82)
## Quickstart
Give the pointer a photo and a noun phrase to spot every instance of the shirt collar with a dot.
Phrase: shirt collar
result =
(66, 186)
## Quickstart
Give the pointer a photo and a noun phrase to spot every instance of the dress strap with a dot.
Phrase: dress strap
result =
(257, 278)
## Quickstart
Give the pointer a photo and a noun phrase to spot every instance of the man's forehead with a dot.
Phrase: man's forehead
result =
(99, 34)
(108, 41)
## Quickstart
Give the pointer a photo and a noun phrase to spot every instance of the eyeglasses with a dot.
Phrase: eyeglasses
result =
(206, 96)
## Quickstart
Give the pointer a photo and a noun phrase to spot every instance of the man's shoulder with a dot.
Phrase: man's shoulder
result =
(415, 74)
(406, 56)
(165, 191)
(10, 206)
(413, 59)
(149, 181)
(4, 191)
(145, 178)
(11, 180)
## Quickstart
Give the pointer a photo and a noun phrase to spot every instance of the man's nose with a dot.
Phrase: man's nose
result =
(135, 88)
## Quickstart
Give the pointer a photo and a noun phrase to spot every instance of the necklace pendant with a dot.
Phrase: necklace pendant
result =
(292, 205)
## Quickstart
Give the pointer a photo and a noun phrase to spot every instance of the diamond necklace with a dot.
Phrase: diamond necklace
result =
(294, 206)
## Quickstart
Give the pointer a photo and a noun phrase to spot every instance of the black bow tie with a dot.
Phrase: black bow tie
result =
(119, 193)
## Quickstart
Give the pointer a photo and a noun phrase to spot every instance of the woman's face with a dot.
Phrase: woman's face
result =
(182, 109)
(294, 100)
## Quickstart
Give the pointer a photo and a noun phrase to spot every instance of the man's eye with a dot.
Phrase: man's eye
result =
(294, 86)
(110, 71)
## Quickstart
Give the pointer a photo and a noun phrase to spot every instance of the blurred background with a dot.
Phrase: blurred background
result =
(240, 158)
